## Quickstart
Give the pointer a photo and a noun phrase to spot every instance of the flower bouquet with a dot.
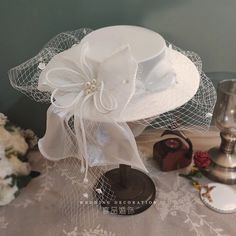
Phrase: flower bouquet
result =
(15, 170)
(201, 160)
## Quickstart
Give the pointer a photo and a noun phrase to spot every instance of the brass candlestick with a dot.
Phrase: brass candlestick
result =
(223, 166)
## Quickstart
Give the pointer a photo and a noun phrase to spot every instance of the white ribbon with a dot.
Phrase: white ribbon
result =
(90, 91)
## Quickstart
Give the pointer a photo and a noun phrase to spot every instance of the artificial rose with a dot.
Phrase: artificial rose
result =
(13, 140)
(5, 136)
(19, 168)
(17, 142)
(5, 166)
(3, 119)
(201, 159)
(14, 173)
(7, 191)
(30, 137)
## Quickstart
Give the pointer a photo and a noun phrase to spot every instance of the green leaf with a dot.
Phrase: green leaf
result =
(186, 176)
(197, 174)
(34, 174)
(23, 181)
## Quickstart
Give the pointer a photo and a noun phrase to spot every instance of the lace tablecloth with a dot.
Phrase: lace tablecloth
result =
(178, 209)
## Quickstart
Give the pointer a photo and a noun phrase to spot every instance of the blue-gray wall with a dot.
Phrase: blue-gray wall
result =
(205, 26)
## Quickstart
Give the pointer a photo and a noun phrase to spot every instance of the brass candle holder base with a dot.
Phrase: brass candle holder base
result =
(223, 166)
(217, 170)
(223, 160)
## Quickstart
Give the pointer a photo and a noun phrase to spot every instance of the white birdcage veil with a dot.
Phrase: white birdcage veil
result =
(197, 111)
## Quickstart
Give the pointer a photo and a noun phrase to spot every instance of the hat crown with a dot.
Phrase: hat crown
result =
(155, 72)
(144, 43)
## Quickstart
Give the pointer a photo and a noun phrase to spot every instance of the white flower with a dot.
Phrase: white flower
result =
(5, 136)
(19, 167)
(30, 137)
(17, 142)
(5, 166)
(13, 140)
(2, 151)
(7, 192)
(3, 119)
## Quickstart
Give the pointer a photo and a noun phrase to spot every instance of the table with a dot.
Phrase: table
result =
(177, 210)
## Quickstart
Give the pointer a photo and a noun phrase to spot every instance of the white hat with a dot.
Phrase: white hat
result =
(100, 80)
(141, 76)
(110, 76)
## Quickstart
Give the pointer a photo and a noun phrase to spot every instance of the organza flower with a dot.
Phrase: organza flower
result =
(75, 80)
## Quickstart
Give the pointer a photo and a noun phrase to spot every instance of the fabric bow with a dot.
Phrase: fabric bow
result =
(91, 90)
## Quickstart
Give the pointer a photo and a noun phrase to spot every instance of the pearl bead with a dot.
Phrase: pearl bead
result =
(88, 91)
(93, 87)
(41, 66)
(88, 84)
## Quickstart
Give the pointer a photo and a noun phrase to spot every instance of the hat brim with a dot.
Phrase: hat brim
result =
(153, 104)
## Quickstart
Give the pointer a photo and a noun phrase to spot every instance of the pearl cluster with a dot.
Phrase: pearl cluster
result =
(90, 86)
